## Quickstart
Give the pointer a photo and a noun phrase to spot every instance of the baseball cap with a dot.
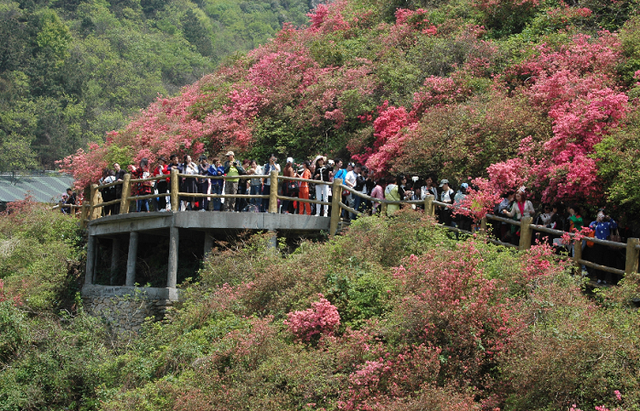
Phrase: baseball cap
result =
(443, 182)
(229, 153)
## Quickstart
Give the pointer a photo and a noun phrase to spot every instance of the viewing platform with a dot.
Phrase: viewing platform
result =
(162, 233)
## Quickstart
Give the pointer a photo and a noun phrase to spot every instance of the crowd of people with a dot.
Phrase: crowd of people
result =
(244, 177)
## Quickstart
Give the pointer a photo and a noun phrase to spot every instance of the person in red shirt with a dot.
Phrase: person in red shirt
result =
(162, 185)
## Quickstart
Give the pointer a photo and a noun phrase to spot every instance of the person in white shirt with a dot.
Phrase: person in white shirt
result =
(446, 196)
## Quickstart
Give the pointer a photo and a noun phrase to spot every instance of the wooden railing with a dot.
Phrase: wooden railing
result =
(93, 211)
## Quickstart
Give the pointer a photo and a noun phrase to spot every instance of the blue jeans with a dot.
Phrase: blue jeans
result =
(142, 204)
(266, 190)
(216, 189)
(357, 200)
(256, 190)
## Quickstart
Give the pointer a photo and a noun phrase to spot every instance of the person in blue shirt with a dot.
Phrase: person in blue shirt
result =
(601, 254)
(216, 169)
(341, 173)
(603, 226)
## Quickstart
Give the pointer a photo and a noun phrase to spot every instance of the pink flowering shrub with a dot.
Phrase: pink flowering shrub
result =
(322, 319)
(450, 304)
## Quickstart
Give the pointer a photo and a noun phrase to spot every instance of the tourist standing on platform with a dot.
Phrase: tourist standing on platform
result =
(143, 187)
(289, 187)
(377, 192)
(446, 196)
(391, 194)
(358, 187)
(204, 184)
(216, 169)
(322, 190)
(266, 187)
(109, 193)
(241, 203)
(233, 169)
(189, 183)
(162, 185)
(428, 189)
(349, 181)
(603, 227)
(119, 175)
(305, 208)
(255, 184)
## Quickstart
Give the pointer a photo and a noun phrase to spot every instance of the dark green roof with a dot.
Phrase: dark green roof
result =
(43, 189)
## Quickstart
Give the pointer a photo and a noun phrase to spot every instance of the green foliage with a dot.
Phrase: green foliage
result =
(40, 257)
(620, 165)
(71, 71)
(53, 363)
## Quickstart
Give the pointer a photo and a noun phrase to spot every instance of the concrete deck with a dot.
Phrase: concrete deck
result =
(206, 221)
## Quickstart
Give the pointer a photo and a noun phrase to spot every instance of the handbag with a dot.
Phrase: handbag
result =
(292, 187)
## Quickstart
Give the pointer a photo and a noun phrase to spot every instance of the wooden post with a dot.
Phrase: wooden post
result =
(428, 205)
(631, 265)
(96, 198)
(91, 253)
(131, 259)
(175, 188)
(383, 209)
(336, 210)
(273, 193)
(126, 192)
(174, 244)
(525, 233)
(483, 224)
(86, 204)
(577, 252)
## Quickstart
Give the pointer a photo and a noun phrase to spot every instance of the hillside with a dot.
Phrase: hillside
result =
(391, 315)
(525, 93)
(72, 70)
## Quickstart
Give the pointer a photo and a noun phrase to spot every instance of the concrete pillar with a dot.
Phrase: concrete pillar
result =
(174, 242)
(208, 243)
(115, 257)
(273, 239)
(91, 260)
(131, 259)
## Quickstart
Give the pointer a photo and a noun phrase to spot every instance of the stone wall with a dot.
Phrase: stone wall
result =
(125, 308)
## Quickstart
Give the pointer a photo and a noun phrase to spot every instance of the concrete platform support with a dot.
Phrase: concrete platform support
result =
(115, 257)
(91, 259)
(131, 259)
(174, 242)
(208, 243)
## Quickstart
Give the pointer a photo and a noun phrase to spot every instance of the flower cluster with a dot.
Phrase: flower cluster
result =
(321, 319)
